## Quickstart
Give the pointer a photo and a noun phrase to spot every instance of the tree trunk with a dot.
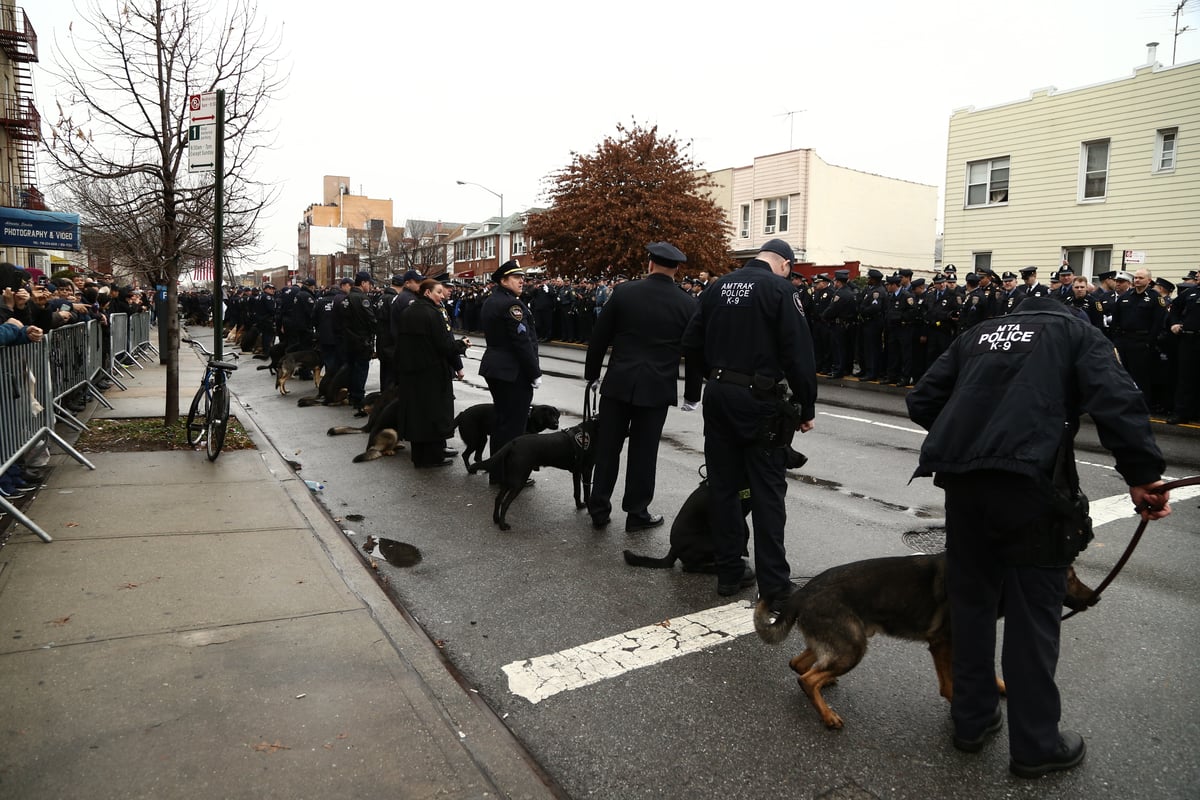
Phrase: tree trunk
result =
(171, 412)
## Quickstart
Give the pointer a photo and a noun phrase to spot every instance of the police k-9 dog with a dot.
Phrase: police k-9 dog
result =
(691, 532)
(475, 425)
(572, 449)
(839, 609)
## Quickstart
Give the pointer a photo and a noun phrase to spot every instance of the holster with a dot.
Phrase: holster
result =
(1071, 521)
(779, 428)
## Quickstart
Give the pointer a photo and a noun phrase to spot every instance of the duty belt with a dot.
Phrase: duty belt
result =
(743, 379)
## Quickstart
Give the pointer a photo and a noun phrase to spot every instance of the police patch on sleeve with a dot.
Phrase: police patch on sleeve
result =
(799, 305)
(516, 313)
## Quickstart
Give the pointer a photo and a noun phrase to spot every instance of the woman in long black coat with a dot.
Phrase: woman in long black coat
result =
(427, 359)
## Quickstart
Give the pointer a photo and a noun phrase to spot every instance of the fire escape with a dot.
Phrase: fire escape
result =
(19, 120)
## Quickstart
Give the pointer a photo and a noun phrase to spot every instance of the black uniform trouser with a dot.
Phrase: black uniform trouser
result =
(939, 339)
(899, 351)
(511, 401)
(1187, 387)
(873, 363)
(734, 462)
(843, 348)
(643, 427)
(1138, 357)
(822, 345)
(982, 525)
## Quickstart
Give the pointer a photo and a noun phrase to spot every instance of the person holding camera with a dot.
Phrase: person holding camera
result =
(749, 335)
(1002, 406)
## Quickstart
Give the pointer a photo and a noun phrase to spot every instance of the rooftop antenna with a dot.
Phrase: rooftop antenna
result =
(1178, 30)
(791, 115)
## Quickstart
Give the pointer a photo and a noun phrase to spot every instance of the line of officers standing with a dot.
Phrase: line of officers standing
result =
(895, 326)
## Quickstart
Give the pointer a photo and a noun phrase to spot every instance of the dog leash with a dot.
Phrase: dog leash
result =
(1137, 536)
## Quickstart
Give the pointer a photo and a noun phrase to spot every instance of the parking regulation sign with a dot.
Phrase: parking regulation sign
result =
(202, 132)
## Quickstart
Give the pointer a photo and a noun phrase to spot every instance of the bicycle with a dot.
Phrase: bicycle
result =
(208, 417)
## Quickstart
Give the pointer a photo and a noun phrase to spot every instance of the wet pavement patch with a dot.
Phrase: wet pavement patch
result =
(398, 554)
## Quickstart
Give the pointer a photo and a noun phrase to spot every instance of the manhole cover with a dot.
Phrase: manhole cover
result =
(925, 540)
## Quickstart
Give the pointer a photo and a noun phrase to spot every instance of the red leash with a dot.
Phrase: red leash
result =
(1141, 528)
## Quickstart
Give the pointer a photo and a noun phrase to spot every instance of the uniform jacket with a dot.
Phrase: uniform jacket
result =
(1000, 397)
(357, 321)
(512, 352)
(643, 321)
(425, 354)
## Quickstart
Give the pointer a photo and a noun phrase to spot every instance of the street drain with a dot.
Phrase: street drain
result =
(398, 554)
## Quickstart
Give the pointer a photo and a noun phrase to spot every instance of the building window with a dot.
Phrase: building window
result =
(745, 226)
(1094, 177)
(1164, 149)
(518, 244)
(987, 182)
(776, 216)
(981, 261)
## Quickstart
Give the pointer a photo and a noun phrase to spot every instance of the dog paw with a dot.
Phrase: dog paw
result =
(504, 526)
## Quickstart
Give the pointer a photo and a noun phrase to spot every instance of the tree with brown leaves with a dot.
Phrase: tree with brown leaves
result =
(636, 188)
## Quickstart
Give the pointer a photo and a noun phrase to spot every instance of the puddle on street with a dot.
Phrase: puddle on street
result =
(398, 554)
(834, 486)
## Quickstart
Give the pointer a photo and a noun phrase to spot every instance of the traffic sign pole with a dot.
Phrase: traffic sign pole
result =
(218, 294)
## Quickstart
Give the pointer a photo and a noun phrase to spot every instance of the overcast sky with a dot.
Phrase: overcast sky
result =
(406, 98)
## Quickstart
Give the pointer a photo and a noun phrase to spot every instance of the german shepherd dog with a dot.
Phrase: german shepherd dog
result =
(839, 609)
(475, 424)
(573, 450)
(333, 389)
(691, 532)
(382, 410)
(297, 361)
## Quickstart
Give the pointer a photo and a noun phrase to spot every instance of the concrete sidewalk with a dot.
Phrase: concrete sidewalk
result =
(205, 630)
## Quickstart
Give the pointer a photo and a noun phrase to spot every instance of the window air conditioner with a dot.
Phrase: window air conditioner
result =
(769, 229)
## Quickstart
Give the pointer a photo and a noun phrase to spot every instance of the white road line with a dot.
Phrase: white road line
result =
(536, 679)
(872, 422)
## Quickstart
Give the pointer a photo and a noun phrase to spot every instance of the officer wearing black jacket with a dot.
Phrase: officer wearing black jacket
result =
(1002, 406)
(510, 364)
(749, 335)
(871, 307)
(643, 322)
(842, 316)
(941, 314)
(357, 321)
(900, 314)
(265, 310)
(1139, 316)
(1183, 324)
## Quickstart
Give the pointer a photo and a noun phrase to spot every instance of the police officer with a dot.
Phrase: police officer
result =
(643, 322)
(1101, 301)
(899, 316)
(356, 320)
(941, 309)
(822, 331)
(920, 334)
(1184, 324)
(1010, 294)
(1139, 316)
(841, 315)
(871, 306)
(749, 334)
(1002, 408)
(977, 305)
(1029, 286)
(510, 363)
(1066, 277)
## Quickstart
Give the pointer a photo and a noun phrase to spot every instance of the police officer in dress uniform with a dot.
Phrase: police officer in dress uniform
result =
(1183, 322)
(643, 322)
(977, 305)
(871, 306)
(1138, 316)
(899, 316)
(841, 315)
(942, 307)
(822, 331)
(510, 364)
(748, 335)
(1101, 300)
(356, 322)
(1002, 409)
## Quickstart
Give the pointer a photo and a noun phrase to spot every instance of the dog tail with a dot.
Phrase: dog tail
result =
(774, 631)
(338, 430)
(369, 455)
(666, 562)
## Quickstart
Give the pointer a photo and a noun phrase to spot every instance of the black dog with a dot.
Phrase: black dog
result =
(273, 356)
(691, 532)
(475, 425)
(572, 450)
(332, 391)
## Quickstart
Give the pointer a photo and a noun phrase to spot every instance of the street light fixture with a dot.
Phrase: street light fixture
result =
(501, 226)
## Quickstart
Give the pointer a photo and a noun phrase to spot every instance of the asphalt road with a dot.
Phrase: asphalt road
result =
(625, 682)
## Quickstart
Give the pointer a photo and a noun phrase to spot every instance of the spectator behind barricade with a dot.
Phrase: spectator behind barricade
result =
(14, 299)
(13, 332)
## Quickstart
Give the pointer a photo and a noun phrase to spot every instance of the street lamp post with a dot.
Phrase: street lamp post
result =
(502, 258)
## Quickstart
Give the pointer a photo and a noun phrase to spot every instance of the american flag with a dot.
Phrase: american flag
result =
(202, 269)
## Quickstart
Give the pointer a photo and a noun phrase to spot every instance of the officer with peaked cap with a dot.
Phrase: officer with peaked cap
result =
(510, 363)
(842, 317)
(1066, 276)
(871, 306)
(822, 332)
(643, 321)
(749, 335)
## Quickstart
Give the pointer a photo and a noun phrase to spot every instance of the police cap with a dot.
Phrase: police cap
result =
(1103, 276)
(950, 269)
(510, 267)
(666, 254)
(918, 282)
(1191, 276)
(1065, 269)
(939, 278)
(1008, 276)
(362, 276)
(780, 248)
(890, 279)
(1164, 283)
(842, 275)
(906, 273)
(1124, 276)
(972, 278)
(412, 275)
(346, 282)
(874, 273)
(397, 280)
(310, 281)
(822, 277)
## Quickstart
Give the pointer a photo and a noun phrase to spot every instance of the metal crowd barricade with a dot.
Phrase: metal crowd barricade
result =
(139, 336)
(27, 413)
(118, 326)
(99, 365)
(69, 369)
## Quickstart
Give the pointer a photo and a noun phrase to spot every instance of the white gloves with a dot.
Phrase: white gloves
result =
(689, 406)
(537, 382)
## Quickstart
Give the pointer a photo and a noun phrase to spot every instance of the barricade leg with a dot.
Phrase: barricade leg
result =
(24, 520)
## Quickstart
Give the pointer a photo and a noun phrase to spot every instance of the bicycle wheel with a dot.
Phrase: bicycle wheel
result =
(197, 418)
(218, 419)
